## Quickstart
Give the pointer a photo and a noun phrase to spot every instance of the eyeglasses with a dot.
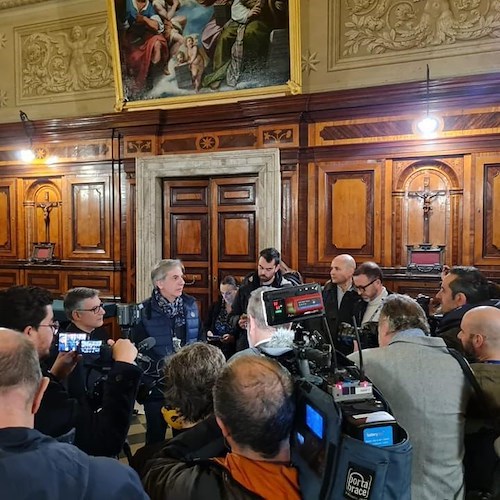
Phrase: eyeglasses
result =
(362, 289)
(95, 309)
(54, 326)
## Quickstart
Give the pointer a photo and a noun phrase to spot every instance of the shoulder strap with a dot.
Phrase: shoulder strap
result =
(469, 374)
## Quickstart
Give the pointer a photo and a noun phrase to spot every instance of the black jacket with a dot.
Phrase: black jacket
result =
(240, 304)
(97, 433)
(336, 315)
(181, 470)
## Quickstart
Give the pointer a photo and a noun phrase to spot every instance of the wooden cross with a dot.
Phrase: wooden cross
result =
(427, 197)
(47, 207)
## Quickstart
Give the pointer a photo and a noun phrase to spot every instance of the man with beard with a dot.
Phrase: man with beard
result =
(462, 288)
(480, 338)
(29, 311)
(268, 274)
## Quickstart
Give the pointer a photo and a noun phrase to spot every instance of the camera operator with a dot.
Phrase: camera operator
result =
(29, 310)
(34, 466)
(84, 309)
(254, 407)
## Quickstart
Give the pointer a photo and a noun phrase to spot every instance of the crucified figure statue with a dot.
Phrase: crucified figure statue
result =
(47, 207)
(427, 197)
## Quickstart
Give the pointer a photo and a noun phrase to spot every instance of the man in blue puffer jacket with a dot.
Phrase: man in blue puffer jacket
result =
(171, 317)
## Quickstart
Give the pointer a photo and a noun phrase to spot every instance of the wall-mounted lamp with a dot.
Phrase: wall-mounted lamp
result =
(428, 125)
(29, 155)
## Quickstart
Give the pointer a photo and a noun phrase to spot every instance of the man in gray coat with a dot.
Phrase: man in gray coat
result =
(428, 393)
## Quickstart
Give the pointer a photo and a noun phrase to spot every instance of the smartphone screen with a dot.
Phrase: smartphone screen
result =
(70, 341)
(90, 346)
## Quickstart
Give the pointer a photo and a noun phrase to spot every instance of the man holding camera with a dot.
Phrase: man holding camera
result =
(34, 466)
(84, 309)
(254, 407)
(29, 310)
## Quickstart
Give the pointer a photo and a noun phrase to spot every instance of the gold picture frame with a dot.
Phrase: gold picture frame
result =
(173, 53)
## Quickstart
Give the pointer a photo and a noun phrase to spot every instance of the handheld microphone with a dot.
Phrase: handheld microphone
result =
(145, 345)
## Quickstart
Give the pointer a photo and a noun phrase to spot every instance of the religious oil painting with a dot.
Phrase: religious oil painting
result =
(173, 52)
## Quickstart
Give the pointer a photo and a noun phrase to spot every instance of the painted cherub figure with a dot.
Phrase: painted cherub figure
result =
(197, 60)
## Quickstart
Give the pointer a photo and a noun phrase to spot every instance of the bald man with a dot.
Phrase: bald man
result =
(339, 297)
(33, 465)
(480, 338)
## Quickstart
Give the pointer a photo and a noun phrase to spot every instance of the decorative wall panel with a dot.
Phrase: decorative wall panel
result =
(348, 210)
(8, 241)
(88, 227)
(487, 242)
(71, 63)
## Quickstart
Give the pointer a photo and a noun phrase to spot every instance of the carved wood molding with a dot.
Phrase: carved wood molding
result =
(402, 128)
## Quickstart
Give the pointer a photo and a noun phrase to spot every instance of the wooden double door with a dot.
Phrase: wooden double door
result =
(210, 223)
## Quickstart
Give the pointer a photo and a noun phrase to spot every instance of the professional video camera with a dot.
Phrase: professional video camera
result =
(127, 316)
(345, 442)
(366, 334)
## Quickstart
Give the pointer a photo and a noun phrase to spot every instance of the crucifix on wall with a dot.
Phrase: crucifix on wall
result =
(427, 196)
(47, 207)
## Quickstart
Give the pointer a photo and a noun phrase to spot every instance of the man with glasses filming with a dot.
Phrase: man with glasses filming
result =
(103, 432)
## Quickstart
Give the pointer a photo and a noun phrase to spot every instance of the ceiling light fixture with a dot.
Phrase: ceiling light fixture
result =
(428, 125)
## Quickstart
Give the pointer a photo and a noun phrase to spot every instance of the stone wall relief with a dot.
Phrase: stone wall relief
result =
(381, 26)
(73, 60)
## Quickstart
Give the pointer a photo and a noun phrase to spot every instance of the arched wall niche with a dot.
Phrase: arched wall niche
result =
(427, 205)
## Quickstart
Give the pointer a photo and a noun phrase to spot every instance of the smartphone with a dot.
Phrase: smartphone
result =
(90, 346)
(70, 341)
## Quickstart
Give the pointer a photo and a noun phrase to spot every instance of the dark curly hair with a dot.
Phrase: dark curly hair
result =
(190, 375)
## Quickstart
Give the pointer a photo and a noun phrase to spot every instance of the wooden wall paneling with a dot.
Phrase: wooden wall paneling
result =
(43, 214)
(104, 281)
(312, 210)
(53, 280)
(487, 218)
(429, 286)
(349, 210)
(469, 201)
(387, 232)
(8, 219)
(87, 228)
(9, 277)
(290, 217)
(442, 179)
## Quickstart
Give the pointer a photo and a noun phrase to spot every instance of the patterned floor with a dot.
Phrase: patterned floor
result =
(136, 434)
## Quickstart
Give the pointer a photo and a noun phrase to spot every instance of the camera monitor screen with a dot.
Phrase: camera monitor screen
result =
(314, 421)
(70, 341)
(293, 303)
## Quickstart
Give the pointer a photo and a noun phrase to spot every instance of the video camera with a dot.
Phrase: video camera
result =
(345, 442)
(366, 334)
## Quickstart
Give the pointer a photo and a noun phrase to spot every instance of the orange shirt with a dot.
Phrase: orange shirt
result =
(270, 480)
